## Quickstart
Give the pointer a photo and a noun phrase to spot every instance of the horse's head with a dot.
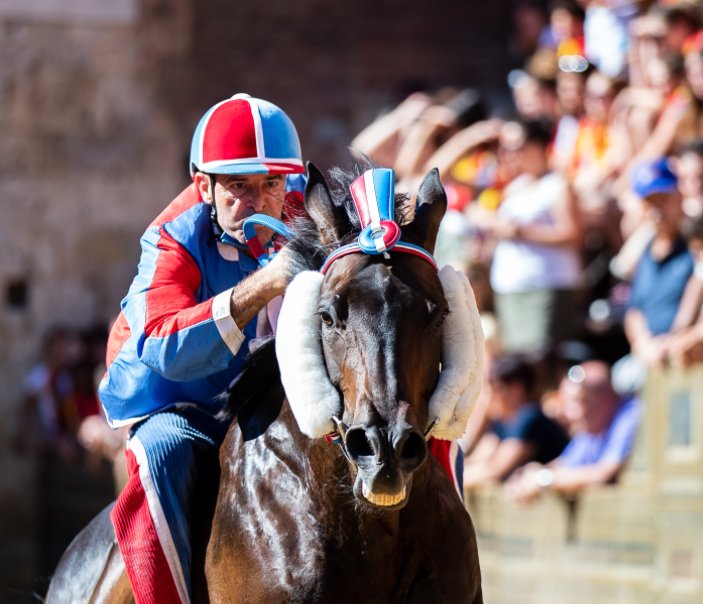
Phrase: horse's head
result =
(380, 344)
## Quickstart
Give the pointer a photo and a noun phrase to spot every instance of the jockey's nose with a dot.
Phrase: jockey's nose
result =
(254, 200)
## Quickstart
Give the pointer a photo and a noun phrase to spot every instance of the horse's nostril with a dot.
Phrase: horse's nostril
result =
(358, 444)
(413, 448)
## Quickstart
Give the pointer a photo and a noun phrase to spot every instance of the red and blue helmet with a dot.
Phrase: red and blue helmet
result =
(245, 135)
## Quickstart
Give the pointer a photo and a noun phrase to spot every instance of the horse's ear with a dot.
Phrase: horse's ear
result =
(429, 209)
(331, 220)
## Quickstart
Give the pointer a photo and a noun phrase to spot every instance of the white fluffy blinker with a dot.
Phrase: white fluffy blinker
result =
(462, 358)
(312, 397)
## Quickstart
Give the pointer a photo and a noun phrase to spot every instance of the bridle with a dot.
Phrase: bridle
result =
(373, 194)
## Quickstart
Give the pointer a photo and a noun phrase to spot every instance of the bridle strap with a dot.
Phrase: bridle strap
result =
(400, 246)
(337, 438)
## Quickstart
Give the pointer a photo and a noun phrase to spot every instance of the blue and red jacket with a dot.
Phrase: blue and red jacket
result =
(175, 340)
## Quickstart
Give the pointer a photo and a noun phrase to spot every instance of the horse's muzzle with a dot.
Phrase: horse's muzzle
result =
(386, 460)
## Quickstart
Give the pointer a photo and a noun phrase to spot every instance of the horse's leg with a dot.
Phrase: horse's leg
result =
(91, 569)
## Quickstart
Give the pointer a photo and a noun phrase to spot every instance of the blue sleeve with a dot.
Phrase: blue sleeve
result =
(622, 433)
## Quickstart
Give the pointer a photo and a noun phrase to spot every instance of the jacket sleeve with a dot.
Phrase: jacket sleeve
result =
(179, 338)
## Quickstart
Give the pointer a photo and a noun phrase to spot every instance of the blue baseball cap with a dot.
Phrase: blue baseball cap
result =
(654, 176)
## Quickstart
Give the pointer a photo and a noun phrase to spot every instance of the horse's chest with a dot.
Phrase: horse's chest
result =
(282, 549)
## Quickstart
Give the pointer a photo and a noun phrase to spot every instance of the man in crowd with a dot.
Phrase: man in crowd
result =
(603, 431)
(518, 431)
(664, 268)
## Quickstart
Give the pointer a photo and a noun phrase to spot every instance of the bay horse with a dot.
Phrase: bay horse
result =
(370, 352)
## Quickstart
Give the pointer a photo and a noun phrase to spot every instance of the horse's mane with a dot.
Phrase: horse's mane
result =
(256, 395)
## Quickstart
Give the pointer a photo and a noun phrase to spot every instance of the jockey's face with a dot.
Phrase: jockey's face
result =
(238, 196)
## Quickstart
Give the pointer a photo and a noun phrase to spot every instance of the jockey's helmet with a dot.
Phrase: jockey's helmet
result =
(245, 135)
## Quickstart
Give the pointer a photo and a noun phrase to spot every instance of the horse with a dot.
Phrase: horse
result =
(372, 351)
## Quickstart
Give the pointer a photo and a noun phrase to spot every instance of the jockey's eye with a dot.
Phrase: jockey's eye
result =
(235, 189)
(275, 182)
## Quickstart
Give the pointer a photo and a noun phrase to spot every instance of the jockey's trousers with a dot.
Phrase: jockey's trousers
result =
(171, 457)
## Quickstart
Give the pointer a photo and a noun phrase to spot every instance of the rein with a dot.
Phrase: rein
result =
(374, 200)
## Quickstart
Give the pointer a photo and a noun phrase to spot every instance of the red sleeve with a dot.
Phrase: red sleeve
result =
(170, 301)
(440, 449)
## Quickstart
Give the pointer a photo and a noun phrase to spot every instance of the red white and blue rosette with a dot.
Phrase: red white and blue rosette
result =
(374, 198)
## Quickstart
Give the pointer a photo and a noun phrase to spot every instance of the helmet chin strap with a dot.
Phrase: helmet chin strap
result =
(220, 234)
(213, 206)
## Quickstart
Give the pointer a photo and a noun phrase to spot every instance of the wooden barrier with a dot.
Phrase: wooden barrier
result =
(640, 542)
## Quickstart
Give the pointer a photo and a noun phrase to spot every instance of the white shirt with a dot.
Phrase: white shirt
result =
(520, 266)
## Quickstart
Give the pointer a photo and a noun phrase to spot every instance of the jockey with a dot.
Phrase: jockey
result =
(195, 305)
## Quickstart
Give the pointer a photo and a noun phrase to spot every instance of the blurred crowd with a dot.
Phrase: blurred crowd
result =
(577, 214)
(60, 416)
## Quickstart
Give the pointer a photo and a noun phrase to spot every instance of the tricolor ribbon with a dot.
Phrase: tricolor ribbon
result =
(374, 200)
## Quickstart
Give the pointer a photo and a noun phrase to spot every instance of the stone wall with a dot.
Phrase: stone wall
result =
(99, 101)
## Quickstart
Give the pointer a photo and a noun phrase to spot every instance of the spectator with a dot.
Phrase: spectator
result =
(686, 344)
(44, 421)
(596, 155)
(689, 172)
(571, 85)
(534, 89)
(665, 267)
(675, 117)
(535, 271)
(518, 431)
(530, 28)
(566, 19)
(605, 34)
(682, 19)
(603, 430)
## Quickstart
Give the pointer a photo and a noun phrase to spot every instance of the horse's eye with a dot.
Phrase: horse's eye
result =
(326, 318)
(437, 317)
